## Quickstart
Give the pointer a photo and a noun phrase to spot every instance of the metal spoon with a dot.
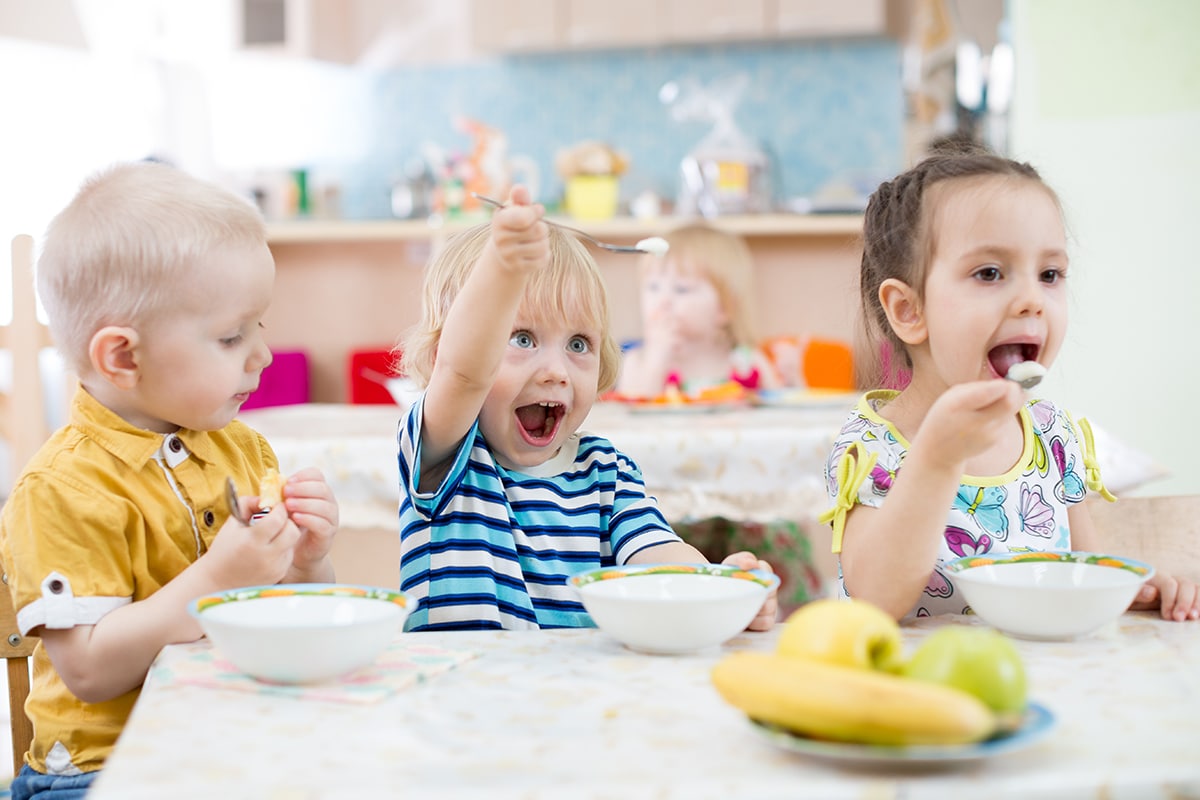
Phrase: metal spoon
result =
(235, 508)
(614, 248)
(231, 497)
(1027, 373)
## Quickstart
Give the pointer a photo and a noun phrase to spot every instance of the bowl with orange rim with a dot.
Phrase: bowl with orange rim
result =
(302, 633)
(673, 608)
(1053, 594)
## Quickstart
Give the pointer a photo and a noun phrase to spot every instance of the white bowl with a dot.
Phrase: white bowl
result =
(304, 632)
(1048, 595)
(673, 608)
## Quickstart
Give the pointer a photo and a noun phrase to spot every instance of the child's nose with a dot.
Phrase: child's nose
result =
(260, 358)
(1030, 298)
(553, 369)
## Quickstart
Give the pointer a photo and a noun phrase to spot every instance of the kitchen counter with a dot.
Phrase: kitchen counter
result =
(329, 230)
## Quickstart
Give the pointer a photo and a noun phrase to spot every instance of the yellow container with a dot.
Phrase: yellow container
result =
(592, 196)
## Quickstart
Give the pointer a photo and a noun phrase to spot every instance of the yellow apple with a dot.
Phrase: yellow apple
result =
(850, 633)
(981, 661)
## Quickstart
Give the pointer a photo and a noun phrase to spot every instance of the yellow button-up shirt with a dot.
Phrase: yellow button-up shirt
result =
(104, 515)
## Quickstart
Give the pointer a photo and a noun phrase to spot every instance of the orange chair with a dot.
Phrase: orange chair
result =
(811, 362)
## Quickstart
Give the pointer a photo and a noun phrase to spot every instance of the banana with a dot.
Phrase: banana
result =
(849, 703)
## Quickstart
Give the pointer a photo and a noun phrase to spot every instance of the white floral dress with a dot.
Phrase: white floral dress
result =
(1024, 509)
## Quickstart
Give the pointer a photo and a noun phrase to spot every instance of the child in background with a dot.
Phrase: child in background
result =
(696, 306)
(963, 274)
(502, 498)
(155, 284)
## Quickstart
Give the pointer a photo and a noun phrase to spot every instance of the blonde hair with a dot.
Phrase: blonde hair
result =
(571, 287)
(119, 252)
(724, 260)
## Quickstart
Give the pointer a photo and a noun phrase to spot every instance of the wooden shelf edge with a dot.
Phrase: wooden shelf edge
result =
(619, 228)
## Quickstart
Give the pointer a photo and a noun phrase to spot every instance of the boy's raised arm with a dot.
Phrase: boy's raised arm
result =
(479, 325)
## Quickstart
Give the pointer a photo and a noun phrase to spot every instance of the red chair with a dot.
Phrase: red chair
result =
(369, 372)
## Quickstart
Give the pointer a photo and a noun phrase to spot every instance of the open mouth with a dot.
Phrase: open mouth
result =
(538, 422)
(1002, 357)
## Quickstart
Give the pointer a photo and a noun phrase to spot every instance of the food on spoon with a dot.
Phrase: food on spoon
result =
(850, 704)
(848, 633)
(1027, 373)
(655, 245)
(981, 661)
(270, 490)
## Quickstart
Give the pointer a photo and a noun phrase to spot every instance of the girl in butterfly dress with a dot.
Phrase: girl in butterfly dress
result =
(963, 274)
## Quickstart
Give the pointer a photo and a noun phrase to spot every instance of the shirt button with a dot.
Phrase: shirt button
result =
(175, 445)
(56, 586)
(209, 518)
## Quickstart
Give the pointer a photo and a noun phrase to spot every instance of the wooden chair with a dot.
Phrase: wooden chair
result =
(24, 426)
(17, 651)
(1162, 531)
(23, 421)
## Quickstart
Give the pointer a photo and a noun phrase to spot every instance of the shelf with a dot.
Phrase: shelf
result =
(619, 228)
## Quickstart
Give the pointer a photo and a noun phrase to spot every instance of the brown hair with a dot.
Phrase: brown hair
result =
(899, 240)
(571, 286)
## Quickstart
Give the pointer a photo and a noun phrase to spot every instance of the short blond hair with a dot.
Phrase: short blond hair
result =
(571, 287)
(120, 251)
(725, 261)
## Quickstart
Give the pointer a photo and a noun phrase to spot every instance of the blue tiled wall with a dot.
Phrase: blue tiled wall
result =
(823, 109)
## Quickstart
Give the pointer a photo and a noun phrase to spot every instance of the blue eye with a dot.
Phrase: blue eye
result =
(521, 339)
(579, 345)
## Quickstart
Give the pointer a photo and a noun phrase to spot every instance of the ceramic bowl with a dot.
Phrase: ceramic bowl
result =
(1048, 595)
(302, 633)
(673, 608)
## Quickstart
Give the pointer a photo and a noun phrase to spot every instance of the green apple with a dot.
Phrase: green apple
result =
(849, 633)
(980, 661)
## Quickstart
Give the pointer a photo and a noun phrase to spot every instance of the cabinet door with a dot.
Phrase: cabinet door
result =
(713, 20)
(799, 18)
(510, 26)
(612, 23)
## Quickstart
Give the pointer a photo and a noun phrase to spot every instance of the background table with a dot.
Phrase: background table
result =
(756, 464)
(572, 714)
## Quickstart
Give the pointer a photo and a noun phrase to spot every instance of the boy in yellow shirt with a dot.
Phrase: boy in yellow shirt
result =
(155, 284)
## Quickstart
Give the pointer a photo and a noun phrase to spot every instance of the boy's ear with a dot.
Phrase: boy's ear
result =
(903, 309)
(113, 353)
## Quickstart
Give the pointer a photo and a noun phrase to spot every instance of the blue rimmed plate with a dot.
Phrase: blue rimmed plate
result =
(1035, 724)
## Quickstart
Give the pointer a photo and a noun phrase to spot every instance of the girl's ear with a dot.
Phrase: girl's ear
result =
(113, 353)
(904, 312)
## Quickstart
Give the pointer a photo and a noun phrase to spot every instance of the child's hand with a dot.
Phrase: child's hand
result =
(765, 619)
(313, 509)
(520, 240)
(252, 555)
(1177, 599)
(966, 420)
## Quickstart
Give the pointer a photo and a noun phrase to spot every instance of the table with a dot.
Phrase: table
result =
(572, 714)
(747, 464)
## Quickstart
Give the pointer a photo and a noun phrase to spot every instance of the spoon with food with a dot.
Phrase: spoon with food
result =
(655, 245)
(1027, 373)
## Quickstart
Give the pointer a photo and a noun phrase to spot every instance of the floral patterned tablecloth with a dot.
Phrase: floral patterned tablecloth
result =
(572, 714)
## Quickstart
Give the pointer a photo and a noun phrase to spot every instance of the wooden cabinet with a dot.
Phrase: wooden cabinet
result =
(509, 26)
(318, 29)
(612, 23)
(804, 18)
(714, 20)
(514, 26)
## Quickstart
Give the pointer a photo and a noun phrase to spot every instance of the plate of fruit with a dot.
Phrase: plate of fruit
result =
(839, 687)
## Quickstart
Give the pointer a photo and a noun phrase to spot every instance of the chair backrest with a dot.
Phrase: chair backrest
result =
(23, 417)
(24, 426)
(17, 650)
(1163, 531)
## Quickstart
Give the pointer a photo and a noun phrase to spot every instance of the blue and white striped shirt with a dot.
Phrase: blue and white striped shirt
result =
(493, 547)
